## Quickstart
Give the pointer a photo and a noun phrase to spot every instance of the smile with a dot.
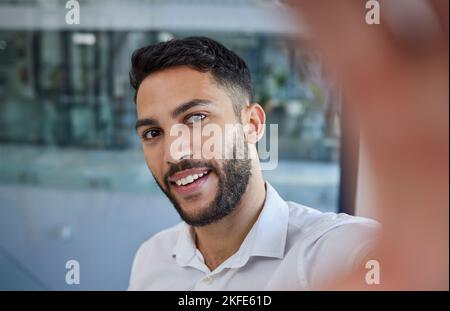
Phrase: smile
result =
(190, 181)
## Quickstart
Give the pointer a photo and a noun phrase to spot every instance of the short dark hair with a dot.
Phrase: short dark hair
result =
(201, 54)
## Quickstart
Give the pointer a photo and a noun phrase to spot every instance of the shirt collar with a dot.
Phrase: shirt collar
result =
(266, 238)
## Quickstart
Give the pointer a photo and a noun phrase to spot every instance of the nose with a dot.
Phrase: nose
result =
(178, 147)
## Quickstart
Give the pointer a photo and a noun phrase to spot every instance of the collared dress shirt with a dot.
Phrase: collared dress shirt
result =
(290, 247)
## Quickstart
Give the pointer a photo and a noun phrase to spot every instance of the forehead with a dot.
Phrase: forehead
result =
(164, 90)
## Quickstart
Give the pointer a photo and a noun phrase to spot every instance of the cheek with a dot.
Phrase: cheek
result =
(212, 147)
(234, 142)
(215, 140)
(154, 164)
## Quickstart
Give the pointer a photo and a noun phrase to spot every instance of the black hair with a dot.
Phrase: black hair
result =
(201, 54)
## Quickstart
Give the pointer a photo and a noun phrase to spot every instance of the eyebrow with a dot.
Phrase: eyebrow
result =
(146, 122)
(190, 104)
(175, 113)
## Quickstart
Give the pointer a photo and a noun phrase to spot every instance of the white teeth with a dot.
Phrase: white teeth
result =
(189, 179)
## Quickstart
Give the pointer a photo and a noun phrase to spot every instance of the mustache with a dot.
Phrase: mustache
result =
(187, 164)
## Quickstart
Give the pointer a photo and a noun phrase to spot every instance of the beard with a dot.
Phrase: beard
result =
(233, 176)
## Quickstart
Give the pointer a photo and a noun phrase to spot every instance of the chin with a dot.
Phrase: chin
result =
(194, 207)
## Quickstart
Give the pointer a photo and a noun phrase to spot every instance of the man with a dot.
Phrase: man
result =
(237, 232)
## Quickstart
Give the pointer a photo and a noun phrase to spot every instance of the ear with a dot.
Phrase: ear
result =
(254, 119)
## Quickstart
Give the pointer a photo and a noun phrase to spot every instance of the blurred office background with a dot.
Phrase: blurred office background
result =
(73, 181)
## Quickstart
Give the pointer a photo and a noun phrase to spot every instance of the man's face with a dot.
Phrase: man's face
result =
(201, 185)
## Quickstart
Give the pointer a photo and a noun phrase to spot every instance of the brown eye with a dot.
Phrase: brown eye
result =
(152, 133)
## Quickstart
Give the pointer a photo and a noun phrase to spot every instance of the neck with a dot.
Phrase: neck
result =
(220, 240)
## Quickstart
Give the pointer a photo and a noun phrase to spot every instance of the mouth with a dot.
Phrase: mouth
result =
(189, 181)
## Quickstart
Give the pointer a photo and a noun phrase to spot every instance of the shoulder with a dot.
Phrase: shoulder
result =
(312, 224)
(160, 244)
(329, 245)
(153, 253)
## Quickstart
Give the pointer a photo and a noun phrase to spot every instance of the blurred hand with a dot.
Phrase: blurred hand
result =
(394, 78)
